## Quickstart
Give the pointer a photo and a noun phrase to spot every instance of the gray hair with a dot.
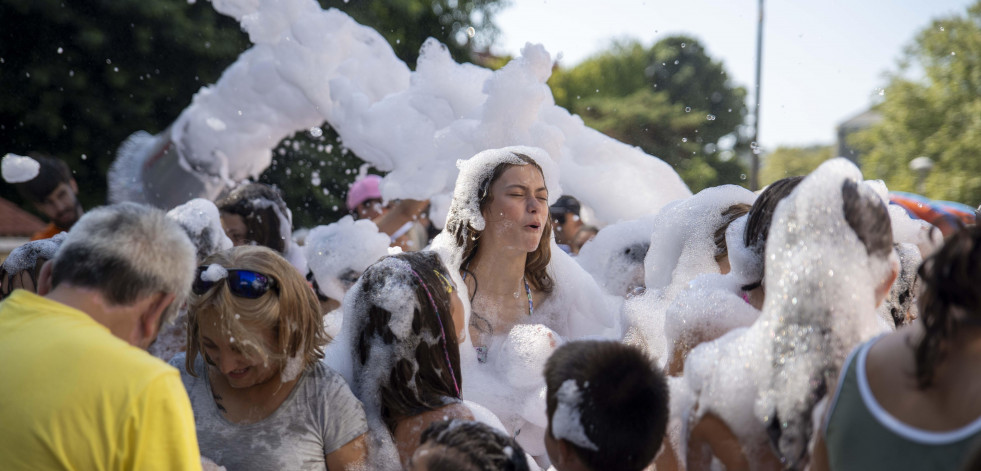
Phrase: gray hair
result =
(127, 252)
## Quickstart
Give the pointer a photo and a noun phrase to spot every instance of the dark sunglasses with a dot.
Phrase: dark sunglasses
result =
(242, 283)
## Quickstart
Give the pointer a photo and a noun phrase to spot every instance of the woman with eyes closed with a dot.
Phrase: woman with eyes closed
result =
(498, 246)
(261, 397)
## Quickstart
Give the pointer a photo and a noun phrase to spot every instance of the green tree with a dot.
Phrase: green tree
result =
(79, 77)
(932, 107)
(792, 161)
(672, 100)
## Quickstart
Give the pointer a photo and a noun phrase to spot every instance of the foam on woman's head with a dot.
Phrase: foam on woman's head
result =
(475, 175)
(339, 252)
(682, 245)
(826, 253)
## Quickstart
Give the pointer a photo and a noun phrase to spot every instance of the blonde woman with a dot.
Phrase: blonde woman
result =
(262, 399)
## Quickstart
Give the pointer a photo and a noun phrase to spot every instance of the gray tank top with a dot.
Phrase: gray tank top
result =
(861, 435)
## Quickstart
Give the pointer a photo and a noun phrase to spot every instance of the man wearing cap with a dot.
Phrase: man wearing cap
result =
(565, 221)
(398, 219)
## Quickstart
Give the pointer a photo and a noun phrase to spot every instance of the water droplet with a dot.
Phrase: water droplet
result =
(941, 28)
(682, 45)
(115, 69)
(108, 61)
(742, 176)
(793, 301)
(684, 139)
(676, 62)
(687, 109)
(60, 50)
(471, 32)
(755, 147)
(84, 157)
(710, 117)
(316, 131)
(953, 53)
(831, 273)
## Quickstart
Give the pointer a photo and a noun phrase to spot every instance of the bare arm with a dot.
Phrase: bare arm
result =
(712, 437)
(396, 217)
(352, 456)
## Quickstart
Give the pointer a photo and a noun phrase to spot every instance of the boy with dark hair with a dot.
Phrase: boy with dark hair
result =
(54, 193)
(607, 407)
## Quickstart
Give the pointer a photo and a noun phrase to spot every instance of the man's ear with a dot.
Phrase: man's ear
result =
(44, 278)
(150, 318)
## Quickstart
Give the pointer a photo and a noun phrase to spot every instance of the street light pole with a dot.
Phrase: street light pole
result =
(754, 178)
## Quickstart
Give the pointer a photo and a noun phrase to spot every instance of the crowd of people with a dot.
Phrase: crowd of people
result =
(810, 326)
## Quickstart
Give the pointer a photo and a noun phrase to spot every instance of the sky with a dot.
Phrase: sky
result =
(823, 61)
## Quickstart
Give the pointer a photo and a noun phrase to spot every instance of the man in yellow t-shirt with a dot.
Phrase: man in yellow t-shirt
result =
(77, 390)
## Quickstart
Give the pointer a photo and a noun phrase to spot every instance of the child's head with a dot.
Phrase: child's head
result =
(607, 406)
(460, 445)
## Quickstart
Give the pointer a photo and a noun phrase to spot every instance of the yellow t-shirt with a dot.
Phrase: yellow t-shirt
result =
(75, 397)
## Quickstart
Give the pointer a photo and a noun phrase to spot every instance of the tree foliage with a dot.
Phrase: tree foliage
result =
(79, 77)
(792, 161)
(672, 100)
(932, 107)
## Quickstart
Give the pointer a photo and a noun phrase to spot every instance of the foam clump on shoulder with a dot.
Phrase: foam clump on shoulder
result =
(202, 223)
(18, 169)
(339, 252)
(567, 418)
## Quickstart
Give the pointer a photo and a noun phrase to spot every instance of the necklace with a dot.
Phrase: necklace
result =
(489, 329)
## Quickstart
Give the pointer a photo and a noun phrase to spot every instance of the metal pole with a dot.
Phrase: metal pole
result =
(754, 179)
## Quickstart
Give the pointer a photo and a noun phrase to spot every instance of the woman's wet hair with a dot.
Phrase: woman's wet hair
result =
(260, 207)
(950, 299)
(728, 215)
(537, 261)
(760, 217)
(472, 446)
(424, 381)
(291, 311)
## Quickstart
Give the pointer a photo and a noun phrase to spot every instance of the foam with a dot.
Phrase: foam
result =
(615, 257)
(567, 419)
(308, 66)
(201, 221)
(18, 169)
(819, 305)
(26, 256)
(339, 252)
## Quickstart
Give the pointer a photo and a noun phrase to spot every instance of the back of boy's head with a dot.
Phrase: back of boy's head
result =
(51, 173)
(622, 402)
(471, 446)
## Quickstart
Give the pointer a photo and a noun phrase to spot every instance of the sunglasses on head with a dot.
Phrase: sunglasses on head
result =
(242, 283)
